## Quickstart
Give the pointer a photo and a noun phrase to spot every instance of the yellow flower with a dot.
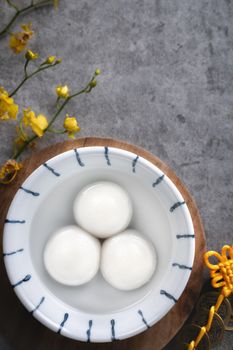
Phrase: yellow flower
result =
(30, 55)
(38, 124)
(62, 91)
(8, 109)
(19, 40)
(28, 115)
(9, 171)
(55, 3)
(71, 126)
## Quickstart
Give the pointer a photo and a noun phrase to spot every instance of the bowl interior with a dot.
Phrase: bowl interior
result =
(149, 217)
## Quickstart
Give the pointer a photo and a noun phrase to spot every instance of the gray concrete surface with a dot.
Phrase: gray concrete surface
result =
(167, 86)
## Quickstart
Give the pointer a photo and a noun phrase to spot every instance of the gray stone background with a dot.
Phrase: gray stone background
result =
(166, 85)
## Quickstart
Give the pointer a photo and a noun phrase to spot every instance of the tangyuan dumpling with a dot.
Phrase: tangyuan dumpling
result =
(128, 261)
(72, 256)
(103, 209)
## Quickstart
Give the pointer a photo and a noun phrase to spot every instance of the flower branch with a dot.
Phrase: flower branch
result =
(70, 123)
(31, 126)
(19, 12)
(45, 65)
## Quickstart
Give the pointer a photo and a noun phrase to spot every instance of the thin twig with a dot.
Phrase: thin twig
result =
(28, 76)
(20, 11)
(12, 5)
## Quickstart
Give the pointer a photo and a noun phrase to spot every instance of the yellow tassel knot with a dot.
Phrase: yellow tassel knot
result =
(221, 273)
(222, 277)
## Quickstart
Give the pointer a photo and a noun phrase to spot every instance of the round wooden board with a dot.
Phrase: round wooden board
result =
(23, 332)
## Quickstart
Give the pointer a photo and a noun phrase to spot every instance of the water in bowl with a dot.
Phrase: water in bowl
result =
(149, 217)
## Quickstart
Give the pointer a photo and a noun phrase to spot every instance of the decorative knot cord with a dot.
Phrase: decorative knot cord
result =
(222, 277)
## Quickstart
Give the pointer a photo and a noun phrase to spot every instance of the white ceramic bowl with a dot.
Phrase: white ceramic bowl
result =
(96, 311)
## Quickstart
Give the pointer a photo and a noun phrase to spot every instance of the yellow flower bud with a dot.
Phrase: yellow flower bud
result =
(62, 91)
(97, 71)
(93, 83)
(30, 55)
(71, 126)
(50, 60)
(8, 109)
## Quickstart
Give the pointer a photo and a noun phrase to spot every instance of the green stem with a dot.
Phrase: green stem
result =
(25, 68)
(64, 104)
(22, 133)
(56, 131)
(57, 101)
(26, 143)
(21, 128)
(26, 77)
(5, 30)
(18, 87)
(19, 12)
